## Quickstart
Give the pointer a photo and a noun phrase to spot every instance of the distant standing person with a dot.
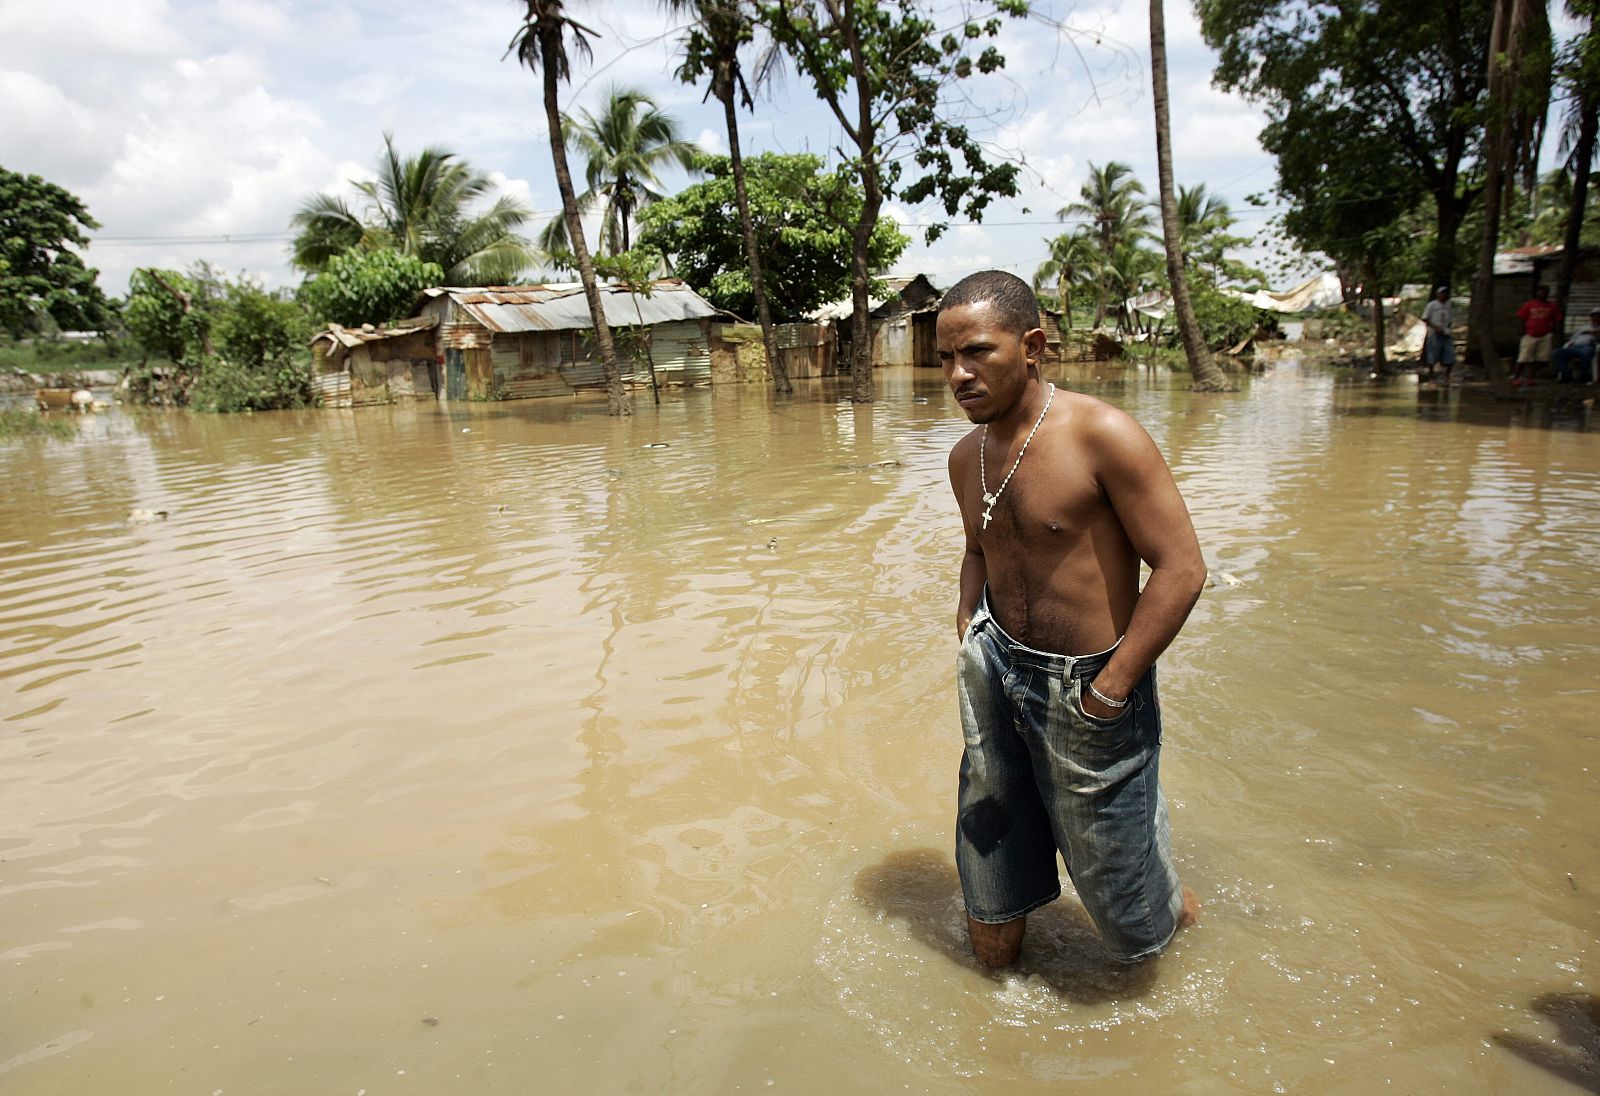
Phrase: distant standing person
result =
(1061, 497)
(1575, 361)
(1540, 318)
(1439, 347)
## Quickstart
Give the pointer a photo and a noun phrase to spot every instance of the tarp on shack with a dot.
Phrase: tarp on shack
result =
(1312, 295)
(509, 309)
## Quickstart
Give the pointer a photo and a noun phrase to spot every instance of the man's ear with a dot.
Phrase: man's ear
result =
(1033, 345)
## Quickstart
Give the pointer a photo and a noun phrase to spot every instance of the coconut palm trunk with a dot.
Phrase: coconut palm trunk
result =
(617, 399)
(758, 282)
(1202, 367)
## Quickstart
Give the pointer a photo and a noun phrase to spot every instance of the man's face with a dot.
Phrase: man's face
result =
(985, 364)
(1543, 293)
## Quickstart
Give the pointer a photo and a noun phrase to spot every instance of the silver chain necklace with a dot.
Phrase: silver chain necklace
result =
(983, 472)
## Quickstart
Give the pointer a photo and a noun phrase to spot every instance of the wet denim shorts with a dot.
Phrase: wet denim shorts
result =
(1038, 777)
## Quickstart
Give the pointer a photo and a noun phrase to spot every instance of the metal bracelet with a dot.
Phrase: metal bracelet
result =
(1103, 698)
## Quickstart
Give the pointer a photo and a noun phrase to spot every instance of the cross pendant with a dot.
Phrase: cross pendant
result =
(987, 514)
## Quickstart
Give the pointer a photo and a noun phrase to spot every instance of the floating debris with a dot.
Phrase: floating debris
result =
(146, 517)
(1223, 578)
(656, 445)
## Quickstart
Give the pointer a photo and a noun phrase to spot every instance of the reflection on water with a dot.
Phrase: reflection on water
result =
(508, 746)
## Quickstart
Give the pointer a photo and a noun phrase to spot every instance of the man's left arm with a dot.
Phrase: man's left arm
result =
(1140, 488)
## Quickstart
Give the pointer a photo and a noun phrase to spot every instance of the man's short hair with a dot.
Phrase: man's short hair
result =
(1012, 298)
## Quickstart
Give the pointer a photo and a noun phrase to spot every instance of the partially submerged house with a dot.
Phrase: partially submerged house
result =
(357, 366)
(901, 321)
(514, 342)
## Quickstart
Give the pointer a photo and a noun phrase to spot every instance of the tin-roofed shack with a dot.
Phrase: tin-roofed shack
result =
(901, 321)
(354, 367)
(516, 342)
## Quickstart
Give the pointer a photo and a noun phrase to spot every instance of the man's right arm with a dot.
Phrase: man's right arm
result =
(974, 568)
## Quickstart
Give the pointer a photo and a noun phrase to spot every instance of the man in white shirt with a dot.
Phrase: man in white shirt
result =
(1439, 349)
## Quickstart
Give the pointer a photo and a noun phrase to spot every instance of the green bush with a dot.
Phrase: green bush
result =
(255, 328)
(1225, 321)
(227, 386)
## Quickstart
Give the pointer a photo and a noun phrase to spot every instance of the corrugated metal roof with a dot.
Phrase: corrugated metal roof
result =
(563, 307)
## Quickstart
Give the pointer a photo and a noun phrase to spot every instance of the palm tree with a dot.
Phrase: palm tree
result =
(624, 146)
(1200, 213)
(1112, 200)
(1129, 270)
(424, 206)
(712, 46)
(1580, 75)
(1207, 377)
(541, 44)
(1072, 256)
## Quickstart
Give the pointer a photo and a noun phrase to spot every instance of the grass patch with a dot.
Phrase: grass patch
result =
(65, 355)
(25, 424)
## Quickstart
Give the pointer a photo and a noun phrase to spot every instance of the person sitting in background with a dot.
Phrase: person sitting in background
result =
(1575, 361)
(1439, 348)
(1539, 317)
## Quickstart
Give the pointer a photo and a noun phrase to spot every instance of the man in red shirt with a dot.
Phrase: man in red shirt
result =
(1540, 317)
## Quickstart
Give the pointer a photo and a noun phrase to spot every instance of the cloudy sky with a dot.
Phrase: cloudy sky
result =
(194, 129)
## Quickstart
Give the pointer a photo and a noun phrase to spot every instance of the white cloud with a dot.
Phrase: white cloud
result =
(216, 119)
(712, 141)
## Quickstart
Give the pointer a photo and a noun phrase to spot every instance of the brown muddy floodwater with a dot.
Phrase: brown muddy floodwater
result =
(509, 748)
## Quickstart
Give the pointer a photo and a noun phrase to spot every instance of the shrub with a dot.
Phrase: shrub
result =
(1225, 321)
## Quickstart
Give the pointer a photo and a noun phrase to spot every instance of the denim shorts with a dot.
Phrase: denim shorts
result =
(1039, 777)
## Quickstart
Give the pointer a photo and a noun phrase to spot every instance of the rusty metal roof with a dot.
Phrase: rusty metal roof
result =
(562, 306)
(352, 337)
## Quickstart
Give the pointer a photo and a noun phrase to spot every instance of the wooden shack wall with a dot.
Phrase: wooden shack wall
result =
(891, 340)
(1050, 324)
(925, 340)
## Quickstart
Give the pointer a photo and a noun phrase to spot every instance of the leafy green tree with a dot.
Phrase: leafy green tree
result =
(711, 48)
(238, 347)
(624, 146)
(541, 45)
(800, 216)
(40, 275)
(169, 314)
(1410, 70)
(1343, 202)
(368, 287)
(425, 206)
(255, 327)
(884, 70)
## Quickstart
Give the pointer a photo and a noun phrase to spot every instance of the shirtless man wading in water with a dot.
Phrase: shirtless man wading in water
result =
(1061, 496)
